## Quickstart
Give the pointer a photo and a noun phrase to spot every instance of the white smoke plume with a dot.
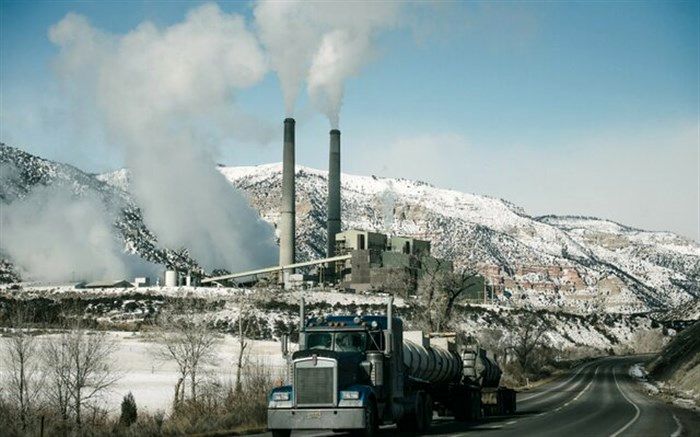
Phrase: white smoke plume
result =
(388, 205)
(165, 95)
(323, 43)
(53, 235)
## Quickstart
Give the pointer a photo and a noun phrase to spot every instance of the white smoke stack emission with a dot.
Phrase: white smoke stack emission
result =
(164, 95)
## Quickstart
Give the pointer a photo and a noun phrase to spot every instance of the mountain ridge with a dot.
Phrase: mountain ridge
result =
(575, 263)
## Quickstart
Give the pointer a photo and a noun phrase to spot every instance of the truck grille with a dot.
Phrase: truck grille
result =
(314, 385)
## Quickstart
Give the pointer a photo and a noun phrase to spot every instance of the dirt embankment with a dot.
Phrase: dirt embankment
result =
(678, 365)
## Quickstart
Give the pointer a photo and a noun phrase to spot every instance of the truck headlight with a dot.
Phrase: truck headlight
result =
(280, 396)
(349, 395)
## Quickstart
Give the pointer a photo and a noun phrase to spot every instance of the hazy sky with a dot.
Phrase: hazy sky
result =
(587, 108)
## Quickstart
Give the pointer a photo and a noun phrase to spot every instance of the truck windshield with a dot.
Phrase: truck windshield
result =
(350, 341)
(339, 341)
(320, 340)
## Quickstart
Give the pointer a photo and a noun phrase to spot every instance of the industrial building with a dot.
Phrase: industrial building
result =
(355, 259)
(374, 257)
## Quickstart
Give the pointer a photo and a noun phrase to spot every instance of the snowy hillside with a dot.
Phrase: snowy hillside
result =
(571, 263)
(542, 261)
(21, 172)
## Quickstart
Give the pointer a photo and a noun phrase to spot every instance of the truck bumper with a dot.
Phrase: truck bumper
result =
(309, 418)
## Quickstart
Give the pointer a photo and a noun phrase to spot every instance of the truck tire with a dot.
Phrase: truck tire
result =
(281, 432)
(417, 421)
(371, 422)
(467, 406)
(427, 413)
(462, 411)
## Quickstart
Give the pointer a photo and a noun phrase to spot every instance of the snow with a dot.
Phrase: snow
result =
(638, 372)
(651, 260)
(152, 381)
(118, 179)
(615, 267)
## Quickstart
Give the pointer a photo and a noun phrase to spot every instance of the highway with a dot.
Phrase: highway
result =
(597, 399)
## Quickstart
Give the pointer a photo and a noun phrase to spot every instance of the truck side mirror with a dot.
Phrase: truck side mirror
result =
(285, 344)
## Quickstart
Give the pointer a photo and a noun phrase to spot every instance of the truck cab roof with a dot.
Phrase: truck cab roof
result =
(351, 322)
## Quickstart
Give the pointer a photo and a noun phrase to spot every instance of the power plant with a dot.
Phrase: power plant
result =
(355, 259)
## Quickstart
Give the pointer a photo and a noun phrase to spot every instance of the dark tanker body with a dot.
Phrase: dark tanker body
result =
(357, 372)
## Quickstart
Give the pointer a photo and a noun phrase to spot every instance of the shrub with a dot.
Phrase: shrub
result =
(129, 411)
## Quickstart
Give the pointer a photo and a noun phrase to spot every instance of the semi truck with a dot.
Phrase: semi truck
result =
(356, 372)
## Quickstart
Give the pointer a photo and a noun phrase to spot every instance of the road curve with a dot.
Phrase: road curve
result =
(596, 399)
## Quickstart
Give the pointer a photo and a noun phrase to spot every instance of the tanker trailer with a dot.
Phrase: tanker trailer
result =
(354, 373)
(481, 369)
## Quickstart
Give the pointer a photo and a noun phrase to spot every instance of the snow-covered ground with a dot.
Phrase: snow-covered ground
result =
(638, 372)
(152, 381)
(683, 398)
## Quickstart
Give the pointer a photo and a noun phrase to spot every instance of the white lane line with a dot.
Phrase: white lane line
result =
(679, 430)
(636, 415)
(581, 392)
(536, 395)
(515, 421)
(575, 397)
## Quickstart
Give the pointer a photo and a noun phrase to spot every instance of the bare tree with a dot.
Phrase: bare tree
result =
(57, 366)
(439, 290)
(79, 365)
(22, 363)
(455, 285)
(428, 284)
(189, 344)
(527, 337)
(398, 282)
(243, 329)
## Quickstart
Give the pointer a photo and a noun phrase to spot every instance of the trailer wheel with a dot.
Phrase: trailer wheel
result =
(427, 413)
(467, 406)
(281, 432)
(406, 423)
(412, 421)
(462, 410)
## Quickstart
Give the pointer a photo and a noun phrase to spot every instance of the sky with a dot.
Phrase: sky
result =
(581, 108)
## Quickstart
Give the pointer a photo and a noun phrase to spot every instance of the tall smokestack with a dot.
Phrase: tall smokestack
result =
(287, 209)
(333, 191)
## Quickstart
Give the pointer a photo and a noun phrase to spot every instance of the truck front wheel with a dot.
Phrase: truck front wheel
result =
(371, 422)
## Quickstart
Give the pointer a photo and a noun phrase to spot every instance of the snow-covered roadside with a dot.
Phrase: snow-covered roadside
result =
(152, 381)
(638, 372)
(682, 399)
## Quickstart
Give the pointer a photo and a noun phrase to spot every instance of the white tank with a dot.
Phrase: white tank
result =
(448, 359)
(171, 278)
(430, 363)
(479, 368)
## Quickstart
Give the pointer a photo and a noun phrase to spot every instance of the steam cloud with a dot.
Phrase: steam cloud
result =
(323, 43)
(388, 205)
(165, 96)
(53, 235)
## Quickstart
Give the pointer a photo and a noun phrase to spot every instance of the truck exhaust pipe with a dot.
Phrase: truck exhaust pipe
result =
(302, 314)
(389, 325)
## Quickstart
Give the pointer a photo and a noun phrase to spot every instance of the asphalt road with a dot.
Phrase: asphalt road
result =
(598, 399)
